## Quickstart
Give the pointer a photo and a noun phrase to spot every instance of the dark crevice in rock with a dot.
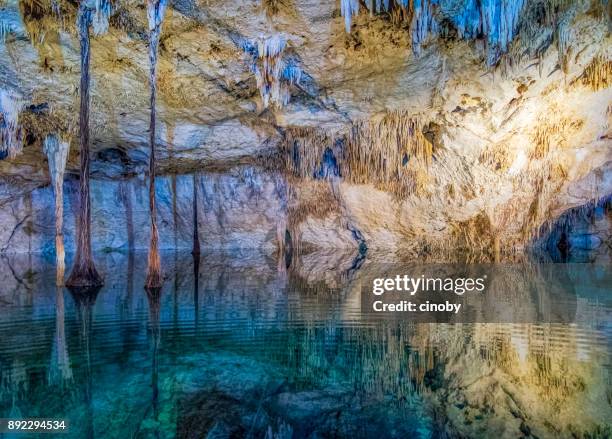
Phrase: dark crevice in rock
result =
(580, 233)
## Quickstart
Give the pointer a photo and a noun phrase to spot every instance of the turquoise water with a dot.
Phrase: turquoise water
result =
(253, 349)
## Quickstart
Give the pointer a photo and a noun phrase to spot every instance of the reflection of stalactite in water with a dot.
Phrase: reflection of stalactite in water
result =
(154, 301)
(175, 298)
(196, 289)
(84, 299)
(403, 360)
(283, 235)
(59, 370)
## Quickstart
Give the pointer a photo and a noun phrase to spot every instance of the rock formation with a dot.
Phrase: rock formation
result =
(409, 126)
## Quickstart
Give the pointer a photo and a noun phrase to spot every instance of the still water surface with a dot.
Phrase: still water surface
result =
(256, 350)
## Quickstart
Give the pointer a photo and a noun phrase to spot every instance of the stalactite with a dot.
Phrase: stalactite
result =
(57, 155)
(564, 39)
(423, 21)
(473, 235)
(196, 233)
(11, 133)
(303, 148)
(84, 273)
(389, 151)
(499, 157)
(275, 76)
(155, 13)
(546, 180)
(40, 21)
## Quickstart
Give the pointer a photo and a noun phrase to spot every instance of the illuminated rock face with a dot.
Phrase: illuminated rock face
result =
(464, 144)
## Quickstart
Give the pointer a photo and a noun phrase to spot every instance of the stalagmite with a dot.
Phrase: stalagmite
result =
(155, 12)
(57, 154)
(84, 273)
(11, 134)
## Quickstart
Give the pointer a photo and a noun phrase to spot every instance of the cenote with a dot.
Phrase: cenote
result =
(210, 211)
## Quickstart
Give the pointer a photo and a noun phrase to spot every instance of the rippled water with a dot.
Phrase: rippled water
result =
(256, 350)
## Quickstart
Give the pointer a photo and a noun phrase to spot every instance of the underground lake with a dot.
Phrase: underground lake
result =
(307, 219)
(231, 346)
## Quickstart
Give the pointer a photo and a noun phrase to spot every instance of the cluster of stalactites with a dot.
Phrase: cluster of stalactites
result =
(56, 151)
(390, 151)
(5, 29)
(423, 23)
(349, 9)
(99, 20)
(564, 40)
(496, 20)
(94, 13)
(274, 75)
(11, 133)
(155, 13)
